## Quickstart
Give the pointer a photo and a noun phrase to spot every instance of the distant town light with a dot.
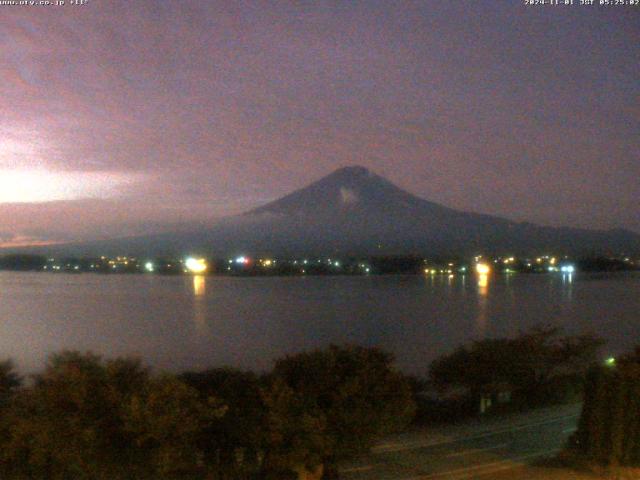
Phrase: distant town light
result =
(196, 265)
(483, 268)
(149, 266)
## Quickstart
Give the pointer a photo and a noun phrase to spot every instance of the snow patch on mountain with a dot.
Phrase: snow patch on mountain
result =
(348, 196)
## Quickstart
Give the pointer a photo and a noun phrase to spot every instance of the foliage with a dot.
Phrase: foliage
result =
(9, 381)
(234, 442)
(165, 419)
(295, 432)
(603, 264)
(64, 425)
(88, 419)
(22, 262)
(528, 365)
(357, 391)
(609, 427)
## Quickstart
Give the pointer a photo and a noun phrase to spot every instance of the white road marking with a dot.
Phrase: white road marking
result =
(389, 448)
(473, 450)
(364, 468)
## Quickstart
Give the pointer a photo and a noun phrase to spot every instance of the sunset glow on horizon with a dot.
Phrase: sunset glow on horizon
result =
(40, 185)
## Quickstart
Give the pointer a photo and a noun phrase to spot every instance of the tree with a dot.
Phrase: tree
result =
(530, 365)
(296, 440)
(358, 392)
(88, 418)
(165, 420)
(66, 424)
(20, 261)
(609, 427)
(85, 418)
(9, 381)
(235, 441)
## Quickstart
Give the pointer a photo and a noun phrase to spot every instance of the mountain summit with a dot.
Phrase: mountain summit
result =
(354, 211)
(354, 190)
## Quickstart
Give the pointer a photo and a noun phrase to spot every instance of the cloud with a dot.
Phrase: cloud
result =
(26, 240)
(40, 185)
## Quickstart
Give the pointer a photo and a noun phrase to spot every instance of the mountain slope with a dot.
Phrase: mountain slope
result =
(354, 211)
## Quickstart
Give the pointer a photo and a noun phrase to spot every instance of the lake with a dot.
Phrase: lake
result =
(184, 322)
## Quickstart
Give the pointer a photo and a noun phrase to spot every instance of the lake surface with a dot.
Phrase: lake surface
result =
(178, 323)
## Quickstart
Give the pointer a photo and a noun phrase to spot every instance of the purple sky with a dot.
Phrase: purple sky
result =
(127, 117)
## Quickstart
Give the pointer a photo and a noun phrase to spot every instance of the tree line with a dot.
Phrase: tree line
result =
(86, 417)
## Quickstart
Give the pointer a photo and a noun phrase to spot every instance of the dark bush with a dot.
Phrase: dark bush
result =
(609, 427)
(87, 418)
(358, 392)
(535, 368)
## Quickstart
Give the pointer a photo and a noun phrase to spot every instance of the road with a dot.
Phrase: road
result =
(476, 450)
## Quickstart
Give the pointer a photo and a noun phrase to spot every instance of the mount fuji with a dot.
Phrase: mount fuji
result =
(353, 211)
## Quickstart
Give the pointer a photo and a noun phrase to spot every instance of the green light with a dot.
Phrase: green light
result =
(610, 362)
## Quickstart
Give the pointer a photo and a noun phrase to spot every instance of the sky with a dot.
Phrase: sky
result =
(120, 118)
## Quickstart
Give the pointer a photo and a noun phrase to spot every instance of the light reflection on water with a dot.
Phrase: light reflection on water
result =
(483, 284)
(199, 285)
(195, 322)
(200, 304)
(567, 281)
(483, 305)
